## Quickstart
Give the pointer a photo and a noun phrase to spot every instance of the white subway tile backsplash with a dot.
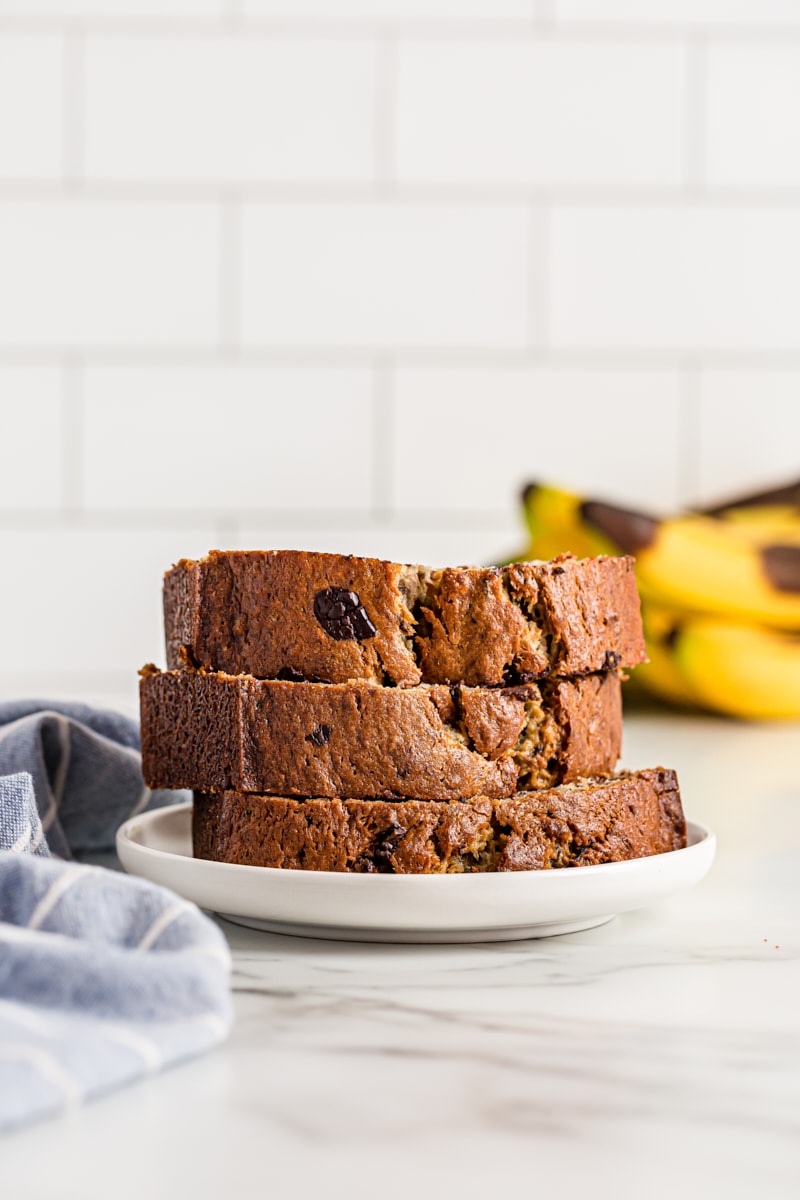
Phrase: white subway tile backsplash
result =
(250, 248)
(401, 10)
(86, 10)
(31, 98)
(91, 599)
(540, 112)
(477, 436)
(748, 431)
(753, 131)
(385, 275)
(78, 273)
(431, 546)
(221, 439)
(230, 108)
(693, 13)
(679, 276)
(31, 437)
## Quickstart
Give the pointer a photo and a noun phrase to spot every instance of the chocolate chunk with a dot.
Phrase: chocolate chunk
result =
(342, 615)
(611, 660)
(630, 531)
(365, 866)
(387, 843)
(514, 678)
(782, 567)
(320, 735)
(521, 691)
(558, 570)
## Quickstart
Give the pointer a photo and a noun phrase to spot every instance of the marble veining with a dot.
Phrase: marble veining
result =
(655, 1056)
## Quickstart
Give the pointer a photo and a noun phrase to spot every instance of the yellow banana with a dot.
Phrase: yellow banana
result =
(764, 517)
(694, 561)
(554, 519)
(697, 563)
(762, 526)
(716, 590)
(738, 669)
(555, 526)
(730, 667)
(660, 675)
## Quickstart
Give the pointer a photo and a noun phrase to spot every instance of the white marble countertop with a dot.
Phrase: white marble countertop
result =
(658, 1055)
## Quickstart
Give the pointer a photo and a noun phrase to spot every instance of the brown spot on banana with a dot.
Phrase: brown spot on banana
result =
(631, 531)
(789, 495)
(782, 567)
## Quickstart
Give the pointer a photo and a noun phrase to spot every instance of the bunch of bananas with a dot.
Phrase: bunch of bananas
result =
(720, 592)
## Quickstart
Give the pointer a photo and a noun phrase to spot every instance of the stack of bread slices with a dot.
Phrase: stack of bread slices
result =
(335, 713)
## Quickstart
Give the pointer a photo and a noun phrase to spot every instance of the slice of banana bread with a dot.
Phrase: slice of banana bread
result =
(334, 618)
(595, 821)
(217, 731)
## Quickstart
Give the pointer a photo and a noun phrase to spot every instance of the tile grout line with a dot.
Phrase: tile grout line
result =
(467, 194)
(540, 23)
(74, 107)
(506, 357)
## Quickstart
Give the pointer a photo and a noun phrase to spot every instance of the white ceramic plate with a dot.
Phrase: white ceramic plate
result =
(488, 907)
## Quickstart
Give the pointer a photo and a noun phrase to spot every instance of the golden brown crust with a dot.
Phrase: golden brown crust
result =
(257, 612)
(215, 731)
(597, 821)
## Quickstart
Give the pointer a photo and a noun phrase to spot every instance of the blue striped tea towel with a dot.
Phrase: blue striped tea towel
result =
(103, 978)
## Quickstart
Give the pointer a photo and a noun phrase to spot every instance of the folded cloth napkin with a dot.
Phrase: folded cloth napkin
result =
(103, 978)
